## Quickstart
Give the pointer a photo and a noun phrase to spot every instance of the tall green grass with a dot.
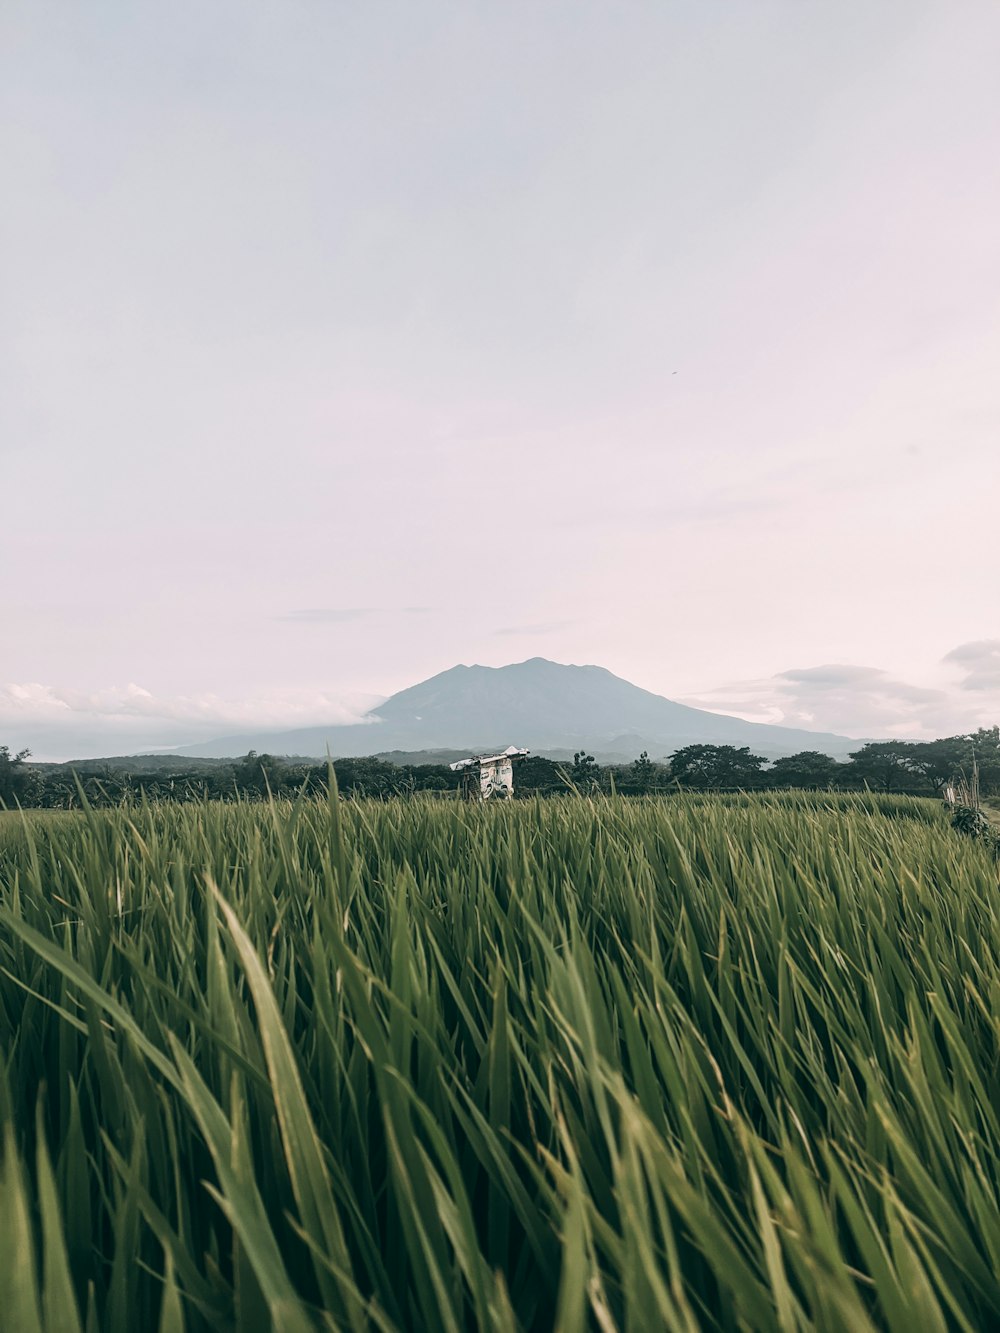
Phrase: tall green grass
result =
(687, 1064)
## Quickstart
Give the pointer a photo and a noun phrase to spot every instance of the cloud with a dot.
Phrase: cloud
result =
(61, 723)
(275, 708)
(980, 661)
(334, 615)
(834, 680)
(328, 615)
(867, 701)
(832, 676)
(544, 627)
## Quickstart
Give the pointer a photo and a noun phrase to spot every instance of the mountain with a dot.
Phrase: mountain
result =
(543, 705)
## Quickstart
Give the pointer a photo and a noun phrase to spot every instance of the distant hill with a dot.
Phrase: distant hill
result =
(551, 708)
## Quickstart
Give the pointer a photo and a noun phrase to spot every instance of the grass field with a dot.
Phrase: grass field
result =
(697, 1063)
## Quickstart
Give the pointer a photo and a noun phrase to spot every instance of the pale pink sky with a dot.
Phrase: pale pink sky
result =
(305, 306)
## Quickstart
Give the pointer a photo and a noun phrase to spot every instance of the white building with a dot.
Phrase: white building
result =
(495, 774)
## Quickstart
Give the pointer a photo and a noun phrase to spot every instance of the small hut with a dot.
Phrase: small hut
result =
(489, 777)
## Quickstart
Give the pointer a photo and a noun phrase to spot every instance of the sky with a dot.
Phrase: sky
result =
(340, 343)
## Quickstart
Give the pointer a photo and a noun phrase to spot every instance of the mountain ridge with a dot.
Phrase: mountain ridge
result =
(547, 706)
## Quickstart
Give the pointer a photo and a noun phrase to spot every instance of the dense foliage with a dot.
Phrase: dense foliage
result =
(913, 767)
(707, 1063)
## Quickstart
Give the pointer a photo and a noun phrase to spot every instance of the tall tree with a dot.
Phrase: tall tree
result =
(938, 762)
(985, 745)
(715, 766)
(883, 766)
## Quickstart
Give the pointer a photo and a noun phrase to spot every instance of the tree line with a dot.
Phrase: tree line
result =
(918, 767)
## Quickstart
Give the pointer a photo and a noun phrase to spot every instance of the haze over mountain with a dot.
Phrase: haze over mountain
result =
(549, 707)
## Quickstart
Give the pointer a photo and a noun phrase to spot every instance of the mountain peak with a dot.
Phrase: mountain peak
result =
(543, 705)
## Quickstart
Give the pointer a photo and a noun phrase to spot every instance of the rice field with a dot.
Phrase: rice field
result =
(688, 1064)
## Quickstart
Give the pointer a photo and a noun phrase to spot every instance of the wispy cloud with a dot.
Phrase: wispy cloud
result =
(339, 615)
(328, 615)
(541, 627)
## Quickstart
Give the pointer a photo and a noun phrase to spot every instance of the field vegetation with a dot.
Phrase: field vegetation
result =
(900, 767)
(711, 1062)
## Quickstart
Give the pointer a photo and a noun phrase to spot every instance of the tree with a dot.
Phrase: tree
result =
(642, 774)
(258, 774)
(714, 766)
(985, 746)
(365, 777)
(17, 780)
(808, 768)
(883, 765)
(537, 775)
(585, 774)
(939, 762)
